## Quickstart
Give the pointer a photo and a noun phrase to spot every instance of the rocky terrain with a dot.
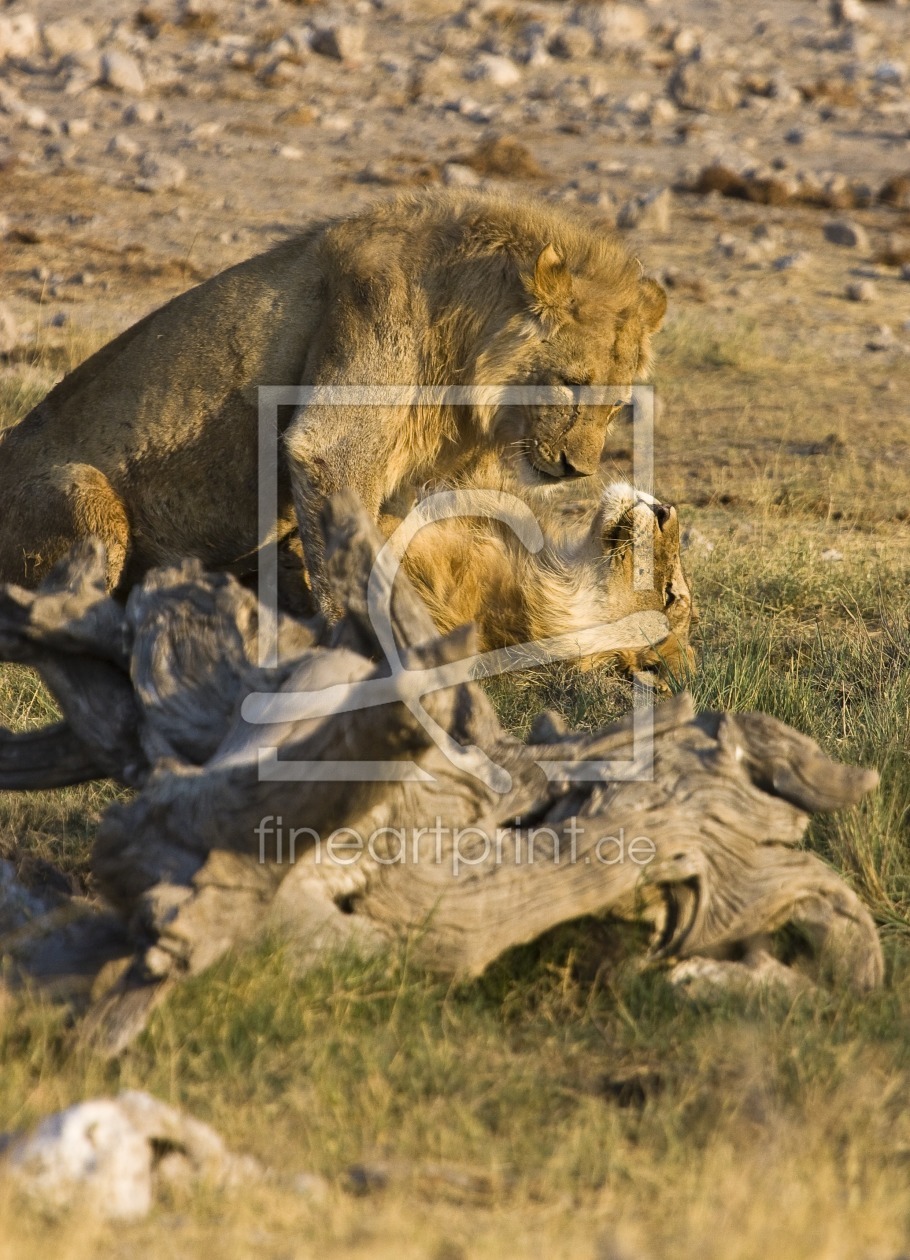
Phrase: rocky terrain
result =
(758, 161)
(761, 159)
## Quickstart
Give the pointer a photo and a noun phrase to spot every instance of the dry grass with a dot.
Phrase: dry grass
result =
(613, 1119)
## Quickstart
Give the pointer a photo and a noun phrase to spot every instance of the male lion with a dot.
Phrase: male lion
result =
(152, 443)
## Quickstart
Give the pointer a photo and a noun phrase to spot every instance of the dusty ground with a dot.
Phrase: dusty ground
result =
(784, 436)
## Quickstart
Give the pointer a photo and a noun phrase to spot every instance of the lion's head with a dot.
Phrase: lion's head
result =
(581, 314)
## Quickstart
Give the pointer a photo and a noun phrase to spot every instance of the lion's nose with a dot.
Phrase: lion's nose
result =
(582, 446)
(663, 512)
(569, 469)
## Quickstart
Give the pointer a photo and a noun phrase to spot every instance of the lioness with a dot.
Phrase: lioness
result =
(477, 567)
(151, 444)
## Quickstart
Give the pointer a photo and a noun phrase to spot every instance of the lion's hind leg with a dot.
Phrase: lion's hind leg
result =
(47, 513)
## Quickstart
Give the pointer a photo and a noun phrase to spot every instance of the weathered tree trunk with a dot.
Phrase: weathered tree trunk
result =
(471, 843)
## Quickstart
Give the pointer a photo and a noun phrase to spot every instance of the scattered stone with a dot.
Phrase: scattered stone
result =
(685, 42)
(848, 12)
(160, 174)
(697, 86)
(500, 71)
(861, 291)
(67, 36)
(277, 72)
(650, 212)
(76, 128)
(458, 175)
(748, 252)
(19, 36)
(144, 112)
(570, 42)
(290, 152)
(123, 146)
(882, 339)
(789, 262)
(847, 233)
(891, 72)
(621, 24)
(37, 119)
(663, 111)
(896, 192)
(796, 135)
(905, 271)
(342, 40)
(779, 187)
(122, 72)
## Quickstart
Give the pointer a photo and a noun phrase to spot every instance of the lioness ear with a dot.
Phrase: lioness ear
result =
(653, 304)
(551, 285)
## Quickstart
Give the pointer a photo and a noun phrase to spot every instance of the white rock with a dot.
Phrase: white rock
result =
(847, 233)
(123, 146)
(38, 119)
(662, 112)
(650, 212)
(100, 1156)
(122, 72)
(76, 128)
(831, 555)
(893, 72)
(68, 35)
(19, 36)
(849, 12)
(571, 41)
(699, 86)
(637, 103)
(290, 152)
(500, 71)
(685, 41)
(89, 1154)
(457, 175)
(621, 24)
(342, 40)
(160, 174)
(144, 112)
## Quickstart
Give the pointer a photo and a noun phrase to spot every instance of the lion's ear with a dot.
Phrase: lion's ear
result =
(550, 286)
(653, 301)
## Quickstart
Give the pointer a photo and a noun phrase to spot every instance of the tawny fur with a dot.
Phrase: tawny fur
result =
(476, 568)
(152, 442)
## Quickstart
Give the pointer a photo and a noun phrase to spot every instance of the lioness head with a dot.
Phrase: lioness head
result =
(586, 575)
(626, 561)
(585, 317)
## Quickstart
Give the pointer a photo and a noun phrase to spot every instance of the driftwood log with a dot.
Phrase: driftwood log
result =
(472, 843)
